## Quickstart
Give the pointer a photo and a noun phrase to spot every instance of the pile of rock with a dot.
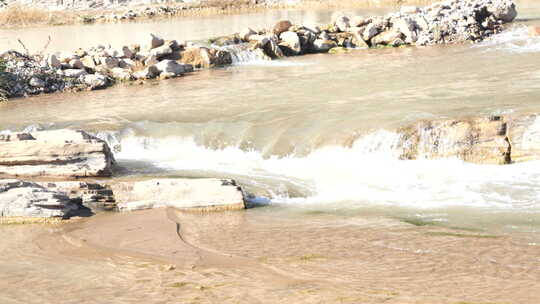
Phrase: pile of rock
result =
(445, 22)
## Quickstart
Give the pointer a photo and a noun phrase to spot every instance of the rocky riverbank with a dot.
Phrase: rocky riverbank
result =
(102, 66)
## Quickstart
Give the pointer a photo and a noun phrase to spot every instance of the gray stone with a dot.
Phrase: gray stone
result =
(161, 51)
(156, 41)
(342, 22)
(321, 45)
(170, 68)
(36, 82)
(291, 42)
(74, 73)
(28, 199)
(96, 81)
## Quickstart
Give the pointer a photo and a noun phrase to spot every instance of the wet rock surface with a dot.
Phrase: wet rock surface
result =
(484, 140)
(58, 153)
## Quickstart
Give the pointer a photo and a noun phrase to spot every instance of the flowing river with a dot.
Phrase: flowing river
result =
(311, 132)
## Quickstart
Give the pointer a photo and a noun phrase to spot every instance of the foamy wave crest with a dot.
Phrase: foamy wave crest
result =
(368, 172)
(516, 40)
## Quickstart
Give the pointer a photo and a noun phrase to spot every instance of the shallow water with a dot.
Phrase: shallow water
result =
(311, 132)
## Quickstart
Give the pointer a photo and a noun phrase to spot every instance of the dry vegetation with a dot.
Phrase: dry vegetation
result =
(21, 15)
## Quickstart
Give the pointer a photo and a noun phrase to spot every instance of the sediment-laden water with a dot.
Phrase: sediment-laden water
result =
(311, 138)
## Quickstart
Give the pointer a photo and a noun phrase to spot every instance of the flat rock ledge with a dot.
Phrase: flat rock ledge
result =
(201, 195)
(59, 153)
(452, 21)
(27, 202)
(487, 140)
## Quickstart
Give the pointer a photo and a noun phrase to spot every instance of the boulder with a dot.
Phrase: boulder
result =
(477, 140)
(53, 61)
(128, 52)
(28, 199)
(109, 62)
(246, 33)
(372, 30)
(272, 49)
(36, 82)
(389, 37)
(148, 73)
(281, 26)
(504, 10)
(121, 73)
(61, 153)
(194, 194)
(199, 57)
(342, 22)
(321, 46)
(96, 81)
(127, 63)
(161, 51)
(156, 41)
(76, 64)
(170, 68)
(74, 73)
(88, 62)
(291, 43)
(407, 27)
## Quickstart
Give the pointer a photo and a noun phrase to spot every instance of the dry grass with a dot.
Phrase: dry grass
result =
(21, 15)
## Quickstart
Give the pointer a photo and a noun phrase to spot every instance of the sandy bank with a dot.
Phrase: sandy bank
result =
(264, 256)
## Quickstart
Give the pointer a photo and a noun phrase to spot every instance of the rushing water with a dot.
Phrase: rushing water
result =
(311, 132)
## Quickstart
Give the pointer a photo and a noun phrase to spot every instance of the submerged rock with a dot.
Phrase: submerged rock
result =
(62, 153)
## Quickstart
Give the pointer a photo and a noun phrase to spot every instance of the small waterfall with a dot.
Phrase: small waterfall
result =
(242, 53)
(381, 142)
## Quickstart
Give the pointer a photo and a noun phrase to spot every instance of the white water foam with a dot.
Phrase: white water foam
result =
(366, 173)
(242, 54)
(516, 40)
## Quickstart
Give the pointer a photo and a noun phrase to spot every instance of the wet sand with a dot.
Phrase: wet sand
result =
(263, 256)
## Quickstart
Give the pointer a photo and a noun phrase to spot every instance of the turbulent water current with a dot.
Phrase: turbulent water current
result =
(313, 132)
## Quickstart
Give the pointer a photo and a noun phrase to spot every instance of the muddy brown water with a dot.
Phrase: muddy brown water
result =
(256, 257)
(343, 220)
